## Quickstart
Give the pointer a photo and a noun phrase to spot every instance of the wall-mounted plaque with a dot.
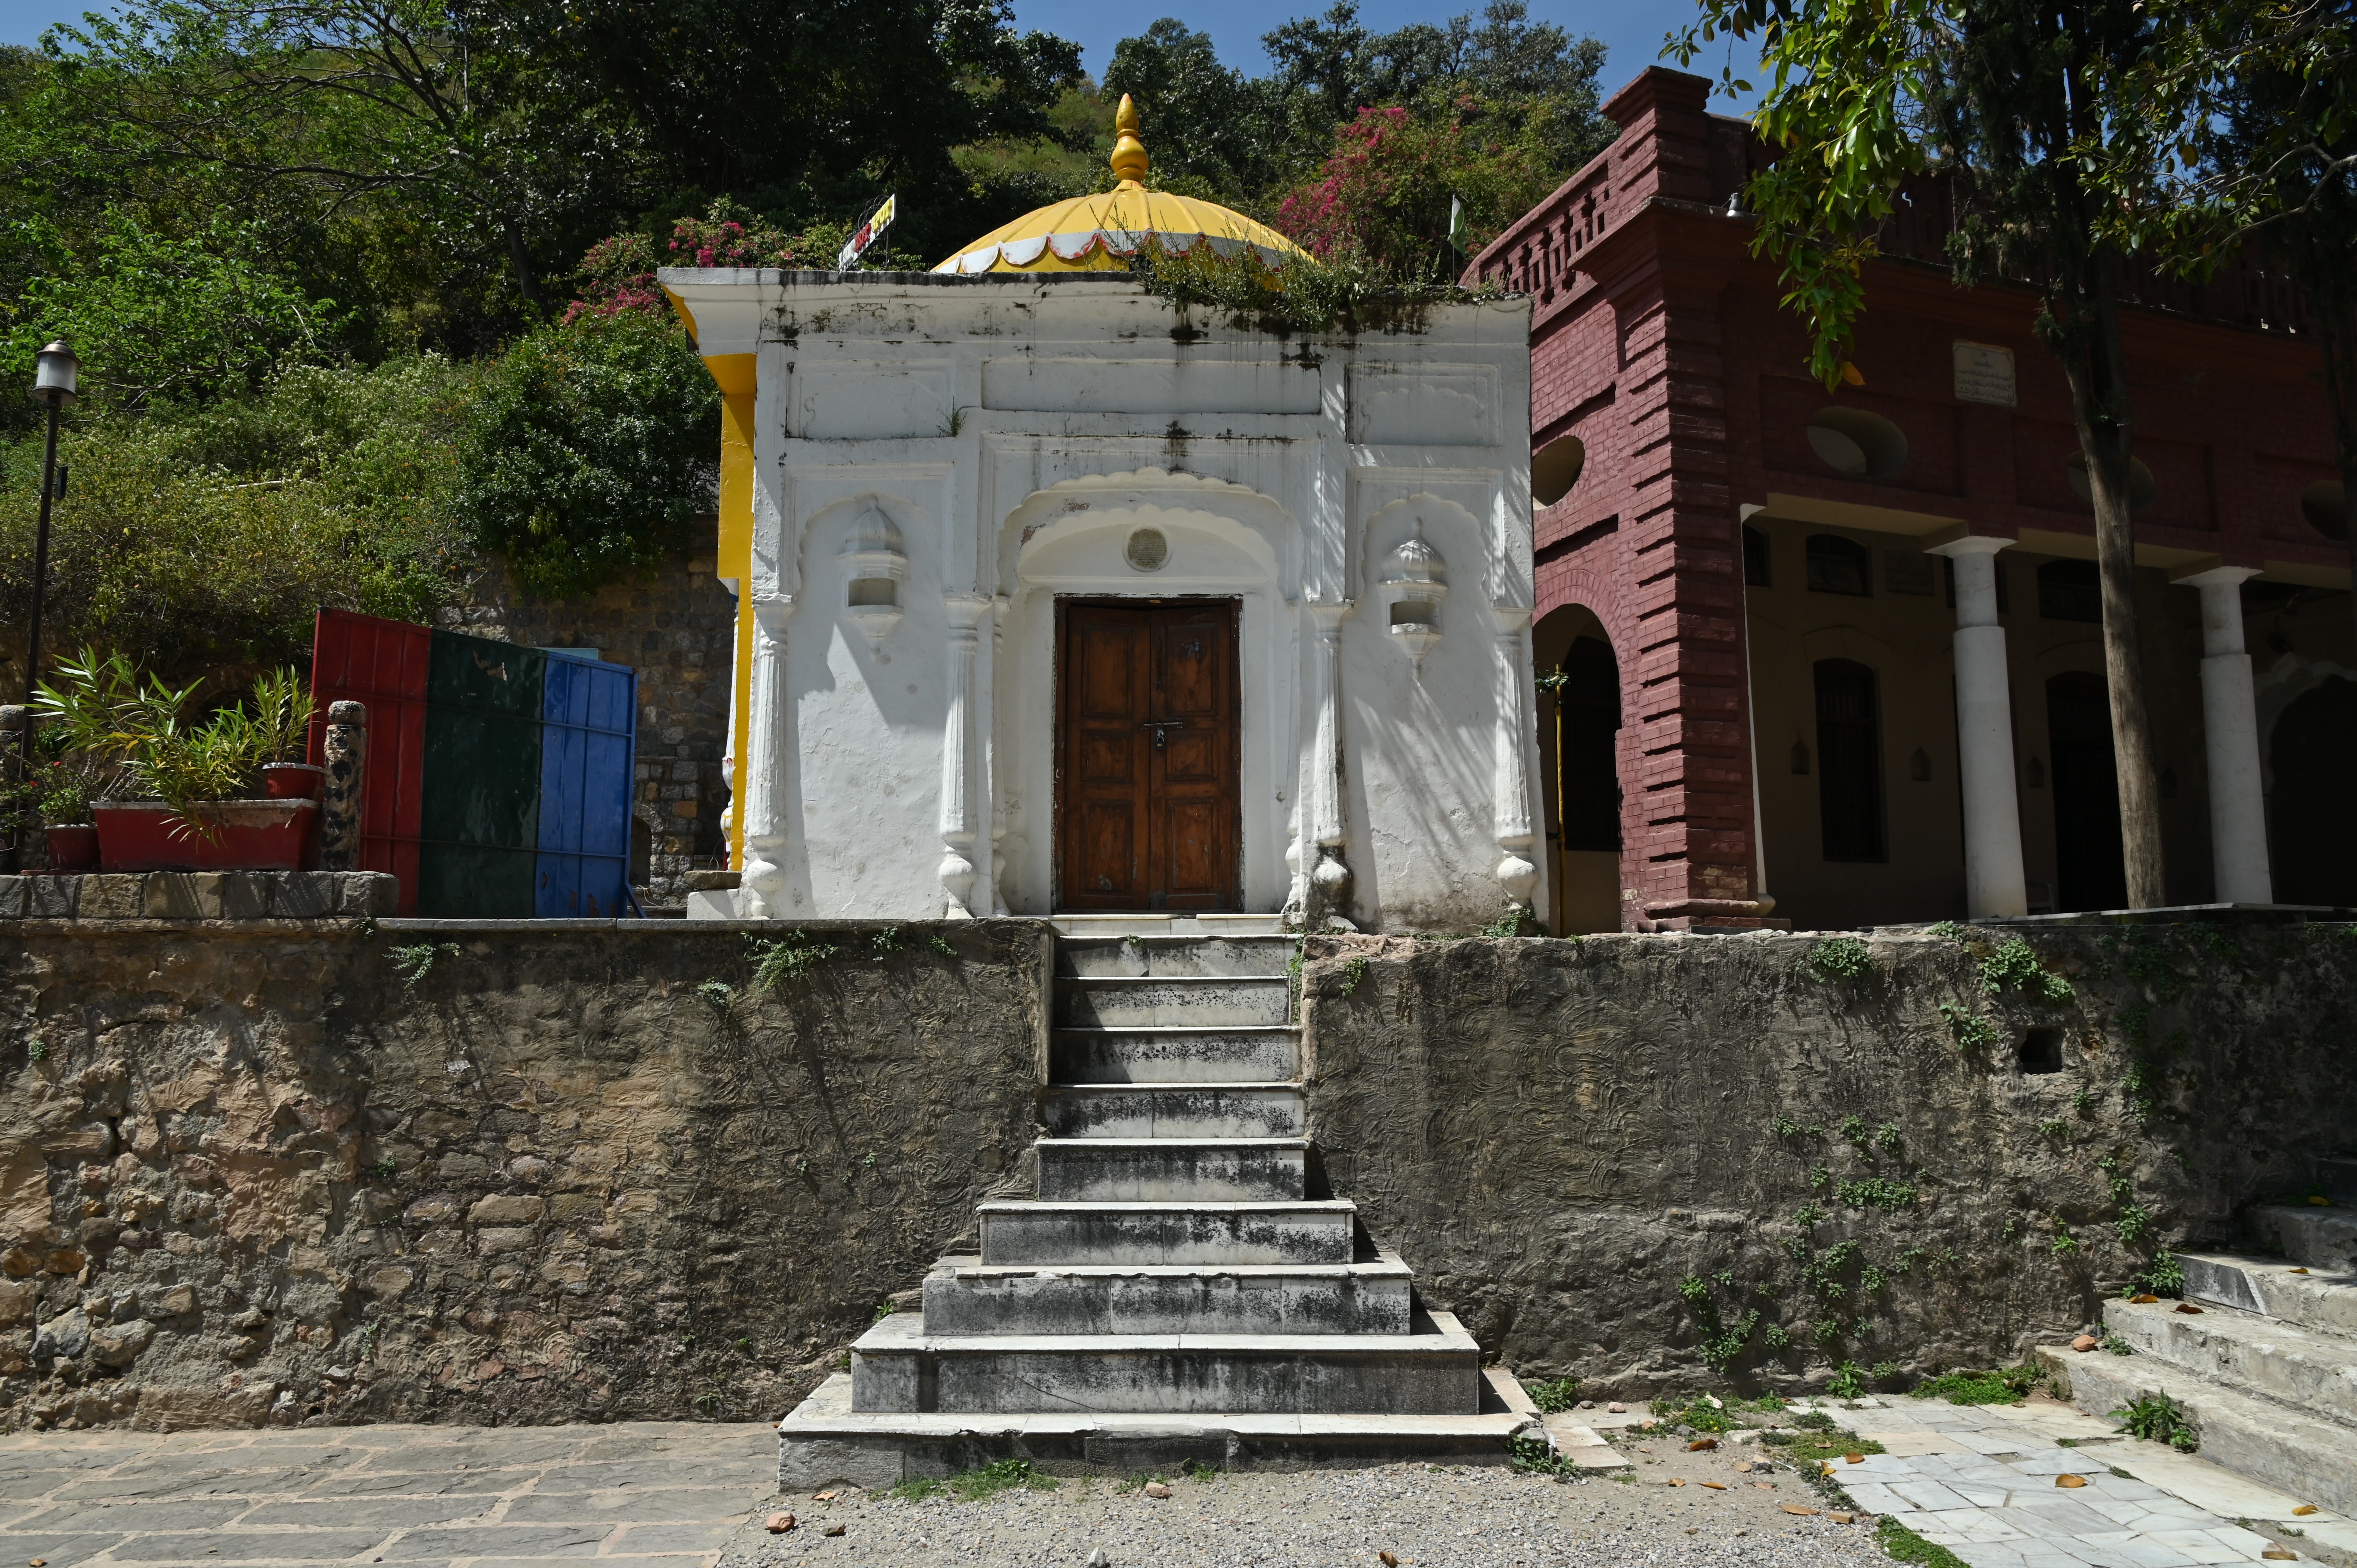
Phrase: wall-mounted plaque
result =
(1984, 374)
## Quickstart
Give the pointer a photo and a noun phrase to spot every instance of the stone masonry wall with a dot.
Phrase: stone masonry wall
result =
(248, 1174)
(1606, 1156)
(677, 628)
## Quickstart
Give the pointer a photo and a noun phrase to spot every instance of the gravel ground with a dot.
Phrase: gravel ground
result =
(1432, 1518)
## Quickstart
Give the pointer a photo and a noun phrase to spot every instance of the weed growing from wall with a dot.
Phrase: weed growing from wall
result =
(1971, 1031)
(2014, 966)
(790, 959)
(1843, 957)
(415, 963)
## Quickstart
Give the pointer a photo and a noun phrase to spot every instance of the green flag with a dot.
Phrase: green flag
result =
(1459, 235)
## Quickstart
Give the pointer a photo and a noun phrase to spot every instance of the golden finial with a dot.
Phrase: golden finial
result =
(1128, 152)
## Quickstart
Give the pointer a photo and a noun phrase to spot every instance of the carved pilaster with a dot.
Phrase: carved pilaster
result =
(763, 768)
(957, 869)
(1512, 782)
(986, 726)
(1330, 873)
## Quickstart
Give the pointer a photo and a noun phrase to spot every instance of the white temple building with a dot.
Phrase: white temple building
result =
(1060, 600)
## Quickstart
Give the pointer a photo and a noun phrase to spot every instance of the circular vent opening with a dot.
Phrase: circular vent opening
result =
(2143, 489)
(1555, 468)
(2325, 505)
(1861, 445)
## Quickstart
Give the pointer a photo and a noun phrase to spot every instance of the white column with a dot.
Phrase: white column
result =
(957, 870)
(985, 724)
(1993, 876)
(1511, 802)
(761, 772)
(1330, 873)
(2230, 728)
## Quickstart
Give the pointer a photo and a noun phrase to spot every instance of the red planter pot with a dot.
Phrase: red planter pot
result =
(292, 780)
(72, 848)
(247, 835)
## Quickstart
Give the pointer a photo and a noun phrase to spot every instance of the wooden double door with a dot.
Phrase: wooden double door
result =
(1148, 760)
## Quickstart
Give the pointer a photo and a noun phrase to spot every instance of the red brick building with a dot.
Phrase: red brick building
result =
(1757, 647)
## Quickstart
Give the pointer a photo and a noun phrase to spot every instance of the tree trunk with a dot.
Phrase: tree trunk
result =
(2096, 367)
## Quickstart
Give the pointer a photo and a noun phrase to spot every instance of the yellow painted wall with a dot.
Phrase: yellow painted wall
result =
(733, 372)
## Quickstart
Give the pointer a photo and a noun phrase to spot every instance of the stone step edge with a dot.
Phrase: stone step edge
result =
(2151, 1327)
(1341, 1206)
(2313, 1460)
(1283, 980)
(889, 1339)
(1175, 1029)
(1386, 1265)
(2270, 1287)
(1268, 1145)
(1182, 1086)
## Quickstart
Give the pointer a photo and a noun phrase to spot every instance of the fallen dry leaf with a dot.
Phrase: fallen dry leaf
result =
(1673, 1482)
(1388, 1560)
(2304, 1510)
(1743, 1467)
(2188, 1308)
(2280, 1554)
(2299, 1271)
(823, 1497)
(1853, 1459)
(1843, 1518)
(1700, 1444)
(2070, 1480)
(779, 1523)
(1795, 1507)
(2142, 1300)
(1715, 1486)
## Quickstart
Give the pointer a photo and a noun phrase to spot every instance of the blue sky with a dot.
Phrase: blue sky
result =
(1631, 30)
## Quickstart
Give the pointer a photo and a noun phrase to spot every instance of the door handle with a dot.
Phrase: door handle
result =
(1161, 728)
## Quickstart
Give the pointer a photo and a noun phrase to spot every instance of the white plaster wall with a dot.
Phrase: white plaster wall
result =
(1017, 432)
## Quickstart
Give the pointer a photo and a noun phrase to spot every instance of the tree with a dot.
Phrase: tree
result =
(2004, 97)
(2241, 138)
(1204, 119)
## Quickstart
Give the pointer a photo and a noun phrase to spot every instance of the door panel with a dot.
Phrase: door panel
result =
(1149, 760)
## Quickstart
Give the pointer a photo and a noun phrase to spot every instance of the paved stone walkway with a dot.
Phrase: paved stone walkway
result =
(651, 1495)
(1981, 1481)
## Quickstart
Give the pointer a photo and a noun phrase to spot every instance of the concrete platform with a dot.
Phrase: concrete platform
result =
(2289, 1291)
(1189, 1001)
(2263, 1356)
(1172, 1110)
(823, 1442)
(2306, 1457)
(1216, 957)
(966, 1296)
(1215, 1234)
(1163, 1170)
(901, 1366)
(2313, 1237)
(1264, 1053)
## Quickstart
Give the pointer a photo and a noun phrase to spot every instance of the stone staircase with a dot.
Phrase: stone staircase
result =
(2266, 1367)
(1182, 1287)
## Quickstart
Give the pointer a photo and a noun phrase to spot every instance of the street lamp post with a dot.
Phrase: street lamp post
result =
(55, 382)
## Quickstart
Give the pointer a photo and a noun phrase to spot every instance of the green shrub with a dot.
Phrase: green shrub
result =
(588, 453)
(1843, 957)
(2015, 967)
(2006, 1386)
(2157, 1418)
(1554, 1395)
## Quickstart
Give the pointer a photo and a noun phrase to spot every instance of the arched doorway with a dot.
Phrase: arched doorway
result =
(2313, 754)
(1579, 746)
(2090, 867)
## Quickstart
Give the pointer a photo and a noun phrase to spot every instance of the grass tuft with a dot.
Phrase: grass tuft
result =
(1905, 1546)
(2007, 1385)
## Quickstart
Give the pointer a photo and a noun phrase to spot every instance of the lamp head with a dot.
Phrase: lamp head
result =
(58, 374)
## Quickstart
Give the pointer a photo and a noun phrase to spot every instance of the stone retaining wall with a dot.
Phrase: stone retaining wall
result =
(251, 1173)
(1558, 1136)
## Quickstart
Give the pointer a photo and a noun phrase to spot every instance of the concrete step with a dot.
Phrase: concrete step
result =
(1269, 1053)
(1169, 1233)
(1200, 1002)
(2270, 1287)
(825, 1443)
(2316, 1237)
(1179, 1111)
(1155, 1170)
(899, 1365)
(965, 1296)
(1221, 957)
(2310, 1372)
(2312, 1459)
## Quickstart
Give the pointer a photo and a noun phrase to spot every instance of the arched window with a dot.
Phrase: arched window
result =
(1849, 760)
(1838, 566)
(1587, 747)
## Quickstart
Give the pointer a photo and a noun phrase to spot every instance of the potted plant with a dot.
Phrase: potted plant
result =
(282, 736)
(54, 800)
(190, 784)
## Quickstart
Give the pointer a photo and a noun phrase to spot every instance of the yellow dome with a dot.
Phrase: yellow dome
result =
(1100, 234)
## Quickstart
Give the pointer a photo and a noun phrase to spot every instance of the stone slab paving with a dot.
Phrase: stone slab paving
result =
(1981, 1481)
(653, 1494)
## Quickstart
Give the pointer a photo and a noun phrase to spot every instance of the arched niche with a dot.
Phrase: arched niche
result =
(1555, 467)
(1857, 444)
